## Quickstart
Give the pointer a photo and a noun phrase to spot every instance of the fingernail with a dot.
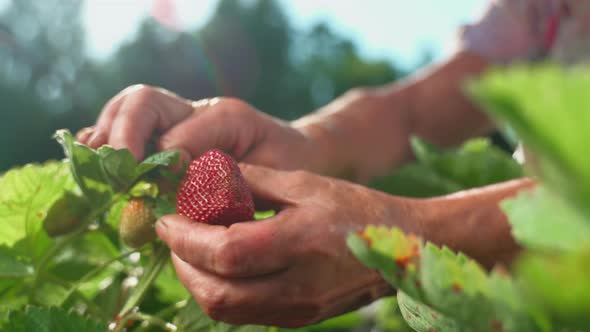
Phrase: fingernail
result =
(83, 134)
(94, 139)
(161, 226)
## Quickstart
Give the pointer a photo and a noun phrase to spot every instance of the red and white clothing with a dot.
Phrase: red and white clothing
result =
(521, 30)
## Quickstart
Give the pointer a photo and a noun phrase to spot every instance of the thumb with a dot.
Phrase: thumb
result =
(269, 186)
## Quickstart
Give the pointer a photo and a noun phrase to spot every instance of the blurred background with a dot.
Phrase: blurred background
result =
(61, 60)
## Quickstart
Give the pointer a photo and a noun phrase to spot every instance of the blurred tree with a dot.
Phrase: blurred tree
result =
(162, 57)
(330, 65)
(42, 60)
(250, 50)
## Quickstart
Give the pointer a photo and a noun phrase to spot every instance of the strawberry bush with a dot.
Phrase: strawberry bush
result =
(78, 251)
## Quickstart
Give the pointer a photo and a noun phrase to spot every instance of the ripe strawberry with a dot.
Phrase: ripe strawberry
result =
(214, 191)
(137, 223)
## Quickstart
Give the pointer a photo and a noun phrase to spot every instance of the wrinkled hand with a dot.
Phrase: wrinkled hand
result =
(134, 116)
(289, 270)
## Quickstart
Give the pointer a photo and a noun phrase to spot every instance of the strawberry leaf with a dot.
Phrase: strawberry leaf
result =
(192, 319)
(169, 288)
(12, 265)
(392, 253)
(424, 151)
(165, 205)
(13, 293)
(37, 319)
(119, 165)
(544, 221)
(422, 318)
(447, 282)
(26, 196)
(548, 107)
(416, 180)
(476, 163)
(559, 283)
(87, 169)
(456, 285)
(113, 216)
(160, 159)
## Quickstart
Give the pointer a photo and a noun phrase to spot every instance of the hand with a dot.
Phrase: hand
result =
(132, 117)
(290, 270)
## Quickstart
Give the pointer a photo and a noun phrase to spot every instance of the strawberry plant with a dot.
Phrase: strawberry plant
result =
(77, 250)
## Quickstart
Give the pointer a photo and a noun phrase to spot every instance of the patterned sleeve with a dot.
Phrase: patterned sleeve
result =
(504, 33)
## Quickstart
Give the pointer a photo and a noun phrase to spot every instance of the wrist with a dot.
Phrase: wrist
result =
(360, 135)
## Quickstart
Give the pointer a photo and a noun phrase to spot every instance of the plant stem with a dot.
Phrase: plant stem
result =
(63, 242)
(45, 259)
(149, 319)
(94, 272)
(64, 283)
(152, 272)
(164, 313)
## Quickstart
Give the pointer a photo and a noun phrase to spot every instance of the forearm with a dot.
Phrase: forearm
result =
(359, 135)
(440, 112)
(471, 221)
(365, 133)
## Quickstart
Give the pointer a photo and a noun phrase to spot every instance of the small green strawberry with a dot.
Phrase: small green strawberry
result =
(65, 214)
(137, 223)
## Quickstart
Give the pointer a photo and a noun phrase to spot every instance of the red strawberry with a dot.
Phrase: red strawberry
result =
(214, 191)
(137, 223)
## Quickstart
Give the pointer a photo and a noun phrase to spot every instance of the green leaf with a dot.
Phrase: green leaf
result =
(542, 220)
(170, 290)
(26, 196)
(508, 299)
(83, 255)
(456, 285)
(119, 166)
(389, 316)
(14, 293)
(144, 189)
(108, 298)
(559, 284)
(424, 151)
(342, 323)
(548, 108)
(113, 216)
(422, 318)
(416, 180)
(192, 319)
(447, 282)
(476, 163)
(12, 265)
(160, 159)
(3, 316)
(87, 169)
(392, 253)
(49, 293)
(259, 215)
(35, 319)
(165, 204)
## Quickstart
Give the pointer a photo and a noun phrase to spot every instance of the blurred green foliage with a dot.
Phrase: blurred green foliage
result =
(251, 51)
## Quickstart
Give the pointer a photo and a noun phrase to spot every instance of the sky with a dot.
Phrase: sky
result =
(399, 30)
